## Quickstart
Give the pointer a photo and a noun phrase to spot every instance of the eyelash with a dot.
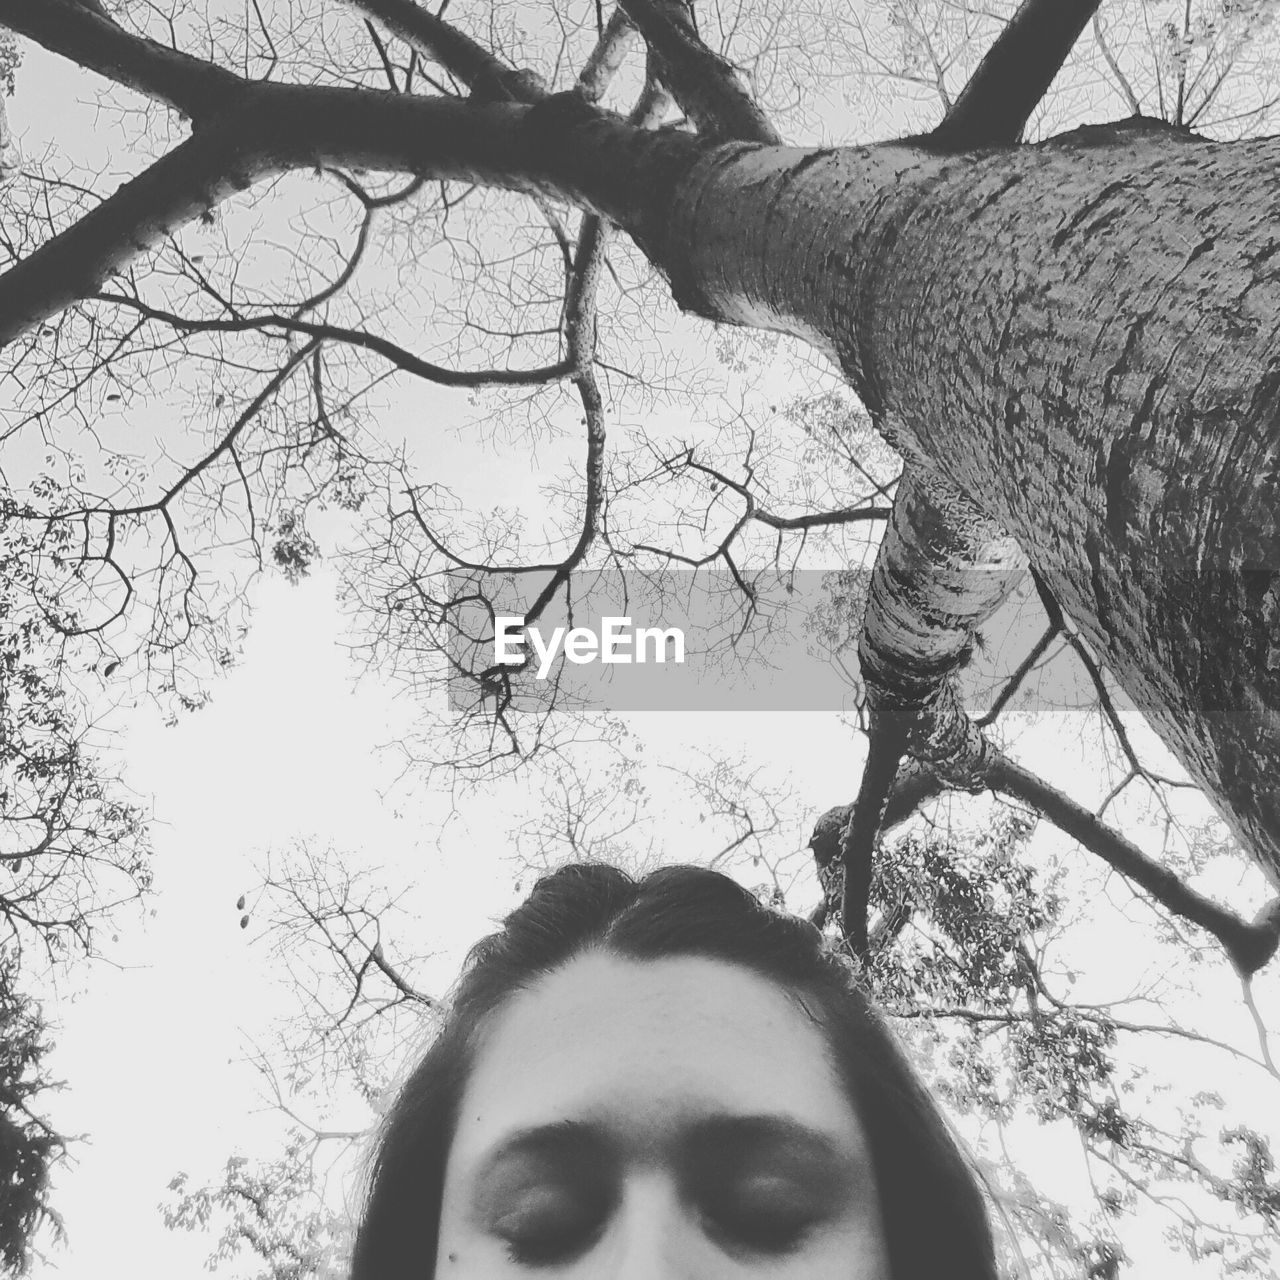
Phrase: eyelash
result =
(539, 1250)
(777, 1232)
(741, 1227)
(561, 1237)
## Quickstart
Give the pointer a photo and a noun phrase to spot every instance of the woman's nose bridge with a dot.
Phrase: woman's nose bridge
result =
(658, 1238)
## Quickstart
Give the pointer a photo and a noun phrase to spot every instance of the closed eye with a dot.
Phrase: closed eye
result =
(547, 1192)
(549, 1226)
(762, 1215)
(762, 1184)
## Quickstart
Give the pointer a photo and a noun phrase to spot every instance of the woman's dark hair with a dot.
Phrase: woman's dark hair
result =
(935, 1217)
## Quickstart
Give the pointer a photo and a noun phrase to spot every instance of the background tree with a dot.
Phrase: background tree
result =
(73, 852)
(29, 1146)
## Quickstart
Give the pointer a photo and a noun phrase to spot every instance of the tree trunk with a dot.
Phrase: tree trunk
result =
(1082, 337)
(942, 570)
(1078, 336)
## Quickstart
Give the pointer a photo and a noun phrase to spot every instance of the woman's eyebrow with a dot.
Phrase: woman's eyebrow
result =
(726, 1147)
(560, 1141)
(730, 1131)
(722, 1136)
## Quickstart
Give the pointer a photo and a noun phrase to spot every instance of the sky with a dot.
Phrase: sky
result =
(155, 1046)
(154, 1042)
(155, 1039)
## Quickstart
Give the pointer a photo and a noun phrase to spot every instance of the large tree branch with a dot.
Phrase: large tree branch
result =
(607, 56)
(390, 351)
(703, 83)
(941, 571)
(1248, 944)
(886, 744)
(627, 171)
(915, 785)
(994, 107)
(299, 127)
(486, 75)
(66, 27)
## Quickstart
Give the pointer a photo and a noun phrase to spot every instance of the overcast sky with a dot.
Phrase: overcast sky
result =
(154, 1050)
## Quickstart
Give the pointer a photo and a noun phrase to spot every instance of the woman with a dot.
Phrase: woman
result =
(664, 1078)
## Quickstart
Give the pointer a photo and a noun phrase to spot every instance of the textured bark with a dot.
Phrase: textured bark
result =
(629, 172)
(942, 569)
(994, 107)
(302, 127)
(487, 76)
(1077, 336)
(1081, 337)
(885, 748)
(703, 83)
(92, 40)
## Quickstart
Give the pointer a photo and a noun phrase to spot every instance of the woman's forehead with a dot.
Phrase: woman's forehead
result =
(652, 1044)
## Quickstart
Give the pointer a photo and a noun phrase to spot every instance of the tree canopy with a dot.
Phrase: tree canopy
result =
(348, 270)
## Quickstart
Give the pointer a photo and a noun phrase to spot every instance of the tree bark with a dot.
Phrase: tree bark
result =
(1078, 336)
(1081, 337)
(942, 570)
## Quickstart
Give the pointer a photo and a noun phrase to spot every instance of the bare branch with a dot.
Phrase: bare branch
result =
(487, 76)
(915, 785)
(994, 107)
(384, 347)
(197, 88)
(810, 520)
(857, 846)
(283, 127)
(1016, 678)
(580, 326)
(1104, 47)
(703, 83)
(600, 68)
(1248, 945)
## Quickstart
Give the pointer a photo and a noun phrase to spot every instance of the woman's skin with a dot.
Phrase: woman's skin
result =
(674, 1119)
